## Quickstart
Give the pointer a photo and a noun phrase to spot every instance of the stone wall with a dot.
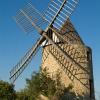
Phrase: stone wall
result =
(53, 61)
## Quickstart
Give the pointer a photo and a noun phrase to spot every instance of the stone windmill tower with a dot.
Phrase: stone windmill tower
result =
(70, 73)
(63, 48)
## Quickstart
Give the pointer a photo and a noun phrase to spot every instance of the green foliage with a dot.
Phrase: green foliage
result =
(22, 95)
(7, 91)
(41, 84)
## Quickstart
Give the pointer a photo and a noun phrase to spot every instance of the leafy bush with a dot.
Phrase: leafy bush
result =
(42, 84)
(7, 91)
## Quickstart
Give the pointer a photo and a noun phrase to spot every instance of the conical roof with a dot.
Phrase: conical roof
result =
(70, 33)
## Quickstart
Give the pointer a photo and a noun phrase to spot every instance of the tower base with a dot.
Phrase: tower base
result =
(53, 61)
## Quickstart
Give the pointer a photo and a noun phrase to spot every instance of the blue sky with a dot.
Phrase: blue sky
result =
(14, 43)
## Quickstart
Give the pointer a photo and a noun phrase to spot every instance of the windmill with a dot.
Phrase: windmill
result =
(59, 39)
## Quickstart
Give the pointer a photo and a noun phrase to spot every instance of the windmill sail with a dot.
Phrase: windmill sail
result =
(19, 68)
(33, 14)
(59, 11)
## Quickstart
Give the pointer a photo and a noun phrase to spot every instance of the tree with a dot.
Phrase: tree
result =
(22, 95)
(42, 85)
(7, 91)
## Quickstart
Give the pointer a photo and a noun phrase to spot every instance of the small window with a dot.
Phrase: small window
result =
(88, 55)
